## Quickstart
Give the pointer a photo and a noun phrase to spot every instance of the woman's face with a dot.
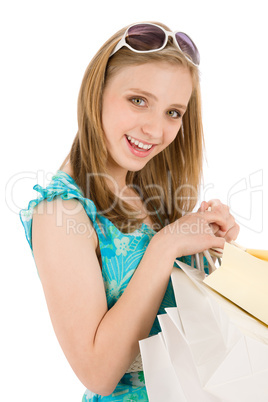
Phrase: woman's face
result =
(142, 113)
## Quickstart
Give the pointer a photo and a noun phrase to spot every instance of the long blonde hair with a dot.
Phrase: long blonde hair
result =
(169, 183)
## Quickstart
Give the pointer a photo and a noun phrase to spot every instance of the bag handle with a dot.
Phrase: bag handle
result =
(210, 254)
(198, 259)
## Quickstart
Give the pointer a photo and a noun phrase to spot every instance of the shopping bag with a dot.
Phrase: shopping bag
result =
(208, 350)
(243, 279)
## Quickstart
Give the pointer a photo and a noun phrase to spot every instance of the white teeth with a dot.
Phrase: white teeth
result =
(139, 143)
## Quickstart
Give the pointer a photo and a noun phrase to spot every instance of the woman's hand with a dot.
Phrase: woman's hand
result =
(192, 233)
(231, 229)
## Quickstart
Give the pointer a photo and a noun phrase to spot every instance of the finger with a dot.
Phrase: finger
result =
(218, 206)
(216, 242)
(215, 228)
(216, 218)
(203, 207)
(232, 233)
(232, 227)
(214, 202)
(220, 233)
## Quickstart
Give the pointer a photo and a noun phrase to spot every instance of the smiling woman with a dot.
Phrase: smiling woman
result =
(106, 231)
(89, 172)
(147, 116)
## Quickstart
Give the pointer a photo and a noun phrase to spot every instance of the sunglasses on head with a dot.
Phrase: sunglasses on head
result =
(147, 37)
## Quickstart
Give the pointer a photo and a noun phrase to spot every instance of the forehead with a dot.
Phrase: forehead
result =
(161, 77)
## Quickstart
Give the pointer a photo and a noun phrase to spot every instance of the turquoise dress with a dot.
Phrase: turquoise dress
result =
(120, 254)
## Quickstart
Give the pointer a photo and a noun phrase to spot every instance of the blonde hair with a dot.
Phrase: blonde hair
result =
(167, 196)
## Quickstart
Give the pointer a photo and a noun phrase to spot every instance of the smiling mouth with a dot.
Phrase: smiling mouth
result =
(138, 145)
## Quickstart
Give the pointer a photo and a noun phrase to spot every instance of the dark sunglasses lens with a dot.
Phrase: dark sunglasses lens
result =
(188, 47)
(144, 37)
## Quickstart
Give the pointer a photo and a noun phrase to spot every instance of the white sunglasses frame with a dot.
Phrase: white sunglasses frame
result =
(123, 42)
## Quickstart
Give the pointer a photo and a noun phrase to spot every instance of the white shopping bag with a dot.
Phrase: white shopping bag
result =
(216, 351)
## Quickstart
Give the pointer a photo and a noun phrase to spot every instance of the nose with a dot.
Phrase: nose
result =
(152, 127)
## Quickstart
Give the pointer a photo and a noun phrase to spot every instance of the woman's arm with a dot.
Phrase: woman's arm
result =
(100, 344)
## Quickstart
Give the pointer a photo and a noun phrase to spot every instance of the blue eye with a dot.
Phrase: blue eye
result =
(175, 114)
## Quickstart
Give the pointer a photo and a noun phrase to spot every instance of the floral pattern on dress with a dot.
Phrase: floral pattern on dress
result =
(121, 246)
(121, 254)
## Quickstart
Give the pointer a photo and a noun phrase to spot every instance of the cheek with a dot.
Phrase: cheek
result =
(173, 132)
(110, 109)
(116, 115)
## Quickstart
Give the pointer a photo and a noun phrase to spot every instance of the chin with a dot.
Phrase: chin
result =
(136, 167)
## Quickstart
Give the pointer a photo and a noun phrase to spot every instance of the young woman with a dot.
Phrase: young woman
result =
(106, 231)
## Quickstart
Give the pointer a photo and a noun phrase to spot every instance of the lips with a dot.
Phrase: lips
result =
(137, 147)
(138, 144)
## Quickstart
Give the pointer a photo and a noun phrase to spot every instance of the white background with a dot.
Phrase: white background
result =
(45, 48)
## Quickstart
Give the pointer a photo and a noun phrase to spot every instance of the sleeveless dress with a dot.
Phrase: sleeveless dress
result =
(121, 254)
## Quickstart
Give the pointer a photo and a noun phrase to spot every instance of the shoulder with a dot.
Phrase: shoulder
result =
(68, 169)
(60, 219)
(60, 201)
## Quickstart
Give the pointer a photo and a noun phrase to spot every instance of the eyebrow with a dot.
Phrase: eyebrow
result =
(150, 95)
